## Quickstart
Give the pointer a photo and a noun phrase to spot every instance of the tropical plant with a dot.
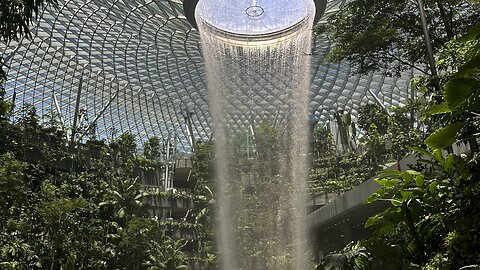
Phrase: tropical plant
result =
(16, 17)
(373, 115)
(353, 256)
(151, 148)
(336, 172)
(56, 217)
(434, 214)
(459, 110)
(167, 256)
(126, 199)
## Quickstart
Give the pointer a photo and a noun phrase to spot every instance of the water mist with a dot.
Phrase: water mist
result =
(258, 74)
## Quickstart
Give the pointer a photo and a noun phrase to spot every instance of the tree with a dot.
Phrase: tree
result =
(127, 146)
(151, 148)
(126, 198)
(387, 35)
(12, 186)
(433, 220)
(336, 172)
(92, 217)
(372, 114)
(203, 168)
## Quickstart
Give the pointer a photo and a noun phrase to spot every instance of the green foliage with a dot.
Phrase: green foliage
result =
(434, 213)
(258, 183)
(152, 148)
(74, 210)
(203, 167)
(12, 186)
(372, 115)
(430, 210)
(331, 171)
(15, 20)
(5, 107)
(258, 170)
(168, 256)
(353, 256)
(375, 34)
(137, 240)
(202, 172)
(390, 136)
(126, 146)
(335, 172)
(375, 148)
(432, 221)
(459, 111)
(126, 199)
(16, 17)
(444, 137)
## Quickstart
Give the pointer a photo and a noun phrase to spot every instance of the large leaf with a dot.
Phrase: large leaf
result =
(376, 219)
(473, 33)
(420, 180)
(387, 183)
(444, 137)
(422, 152)
(458, 90)
(439, 109)
(376, 196)
(471, 66)
(433, 187)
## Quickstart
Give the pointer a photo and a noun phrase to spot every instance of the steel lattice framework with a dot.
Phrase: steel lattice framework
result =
(136, 66)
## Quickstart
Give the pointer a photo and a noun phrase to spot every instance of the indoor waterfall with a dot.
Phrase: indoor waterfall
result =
(258, 71)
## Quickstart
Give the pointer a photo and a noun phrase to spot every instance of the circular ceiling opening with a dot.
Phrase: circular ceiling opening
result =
(254, 18)
(254, 11)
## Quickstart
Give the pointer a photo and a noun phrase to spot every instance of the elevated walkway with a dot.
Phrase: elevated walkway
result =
(341, 221)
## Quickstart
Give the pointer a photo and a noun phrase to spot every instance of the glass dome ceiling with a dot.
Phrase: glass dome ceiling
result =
(253, 17)
(138, 68)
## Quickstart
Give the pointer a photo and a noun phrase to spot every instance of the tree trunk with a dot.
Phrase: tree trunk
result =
(446, 20)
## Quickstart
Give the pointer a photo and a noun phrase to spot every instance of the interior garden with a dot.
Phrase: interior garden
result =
(72, 197)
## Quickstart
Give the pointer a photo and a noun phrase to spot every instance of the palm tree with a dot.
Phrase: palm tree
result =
(126, 198)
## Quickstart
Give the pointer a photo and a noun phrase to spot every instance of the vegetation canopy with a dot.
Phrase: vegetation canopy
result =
(387, 35)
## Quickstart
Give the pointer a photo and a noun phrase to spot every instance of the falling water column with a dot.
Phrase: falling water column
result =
(258, 72)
